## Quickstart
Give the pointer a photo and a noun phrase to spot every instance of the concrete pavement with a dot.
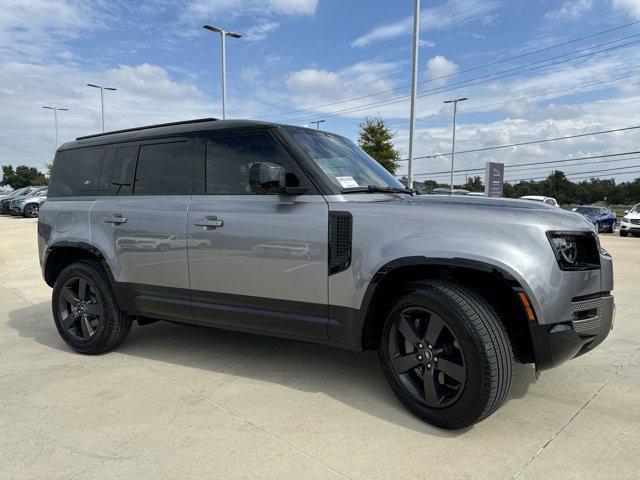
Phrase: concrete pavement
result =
(188, 402)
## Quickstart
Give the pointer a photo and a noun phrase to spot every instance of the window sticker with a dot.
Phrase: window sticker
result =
(347, 182)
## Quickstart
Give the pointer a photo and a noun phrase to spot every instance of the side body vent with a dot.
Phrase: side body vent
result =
(340, 232)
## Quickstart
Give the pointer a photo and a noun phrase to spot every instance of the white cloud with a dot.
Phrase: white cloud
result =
(319, 83)
(438, 69)
(451, 13)
(250, 73)
(632, 7)
(294, 7)
(260, 31)
(570, 9)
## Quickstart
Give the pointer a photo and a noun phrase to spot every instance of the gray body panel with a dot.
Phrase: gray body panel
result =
(507, 234)
(269, 246)
(150, 248)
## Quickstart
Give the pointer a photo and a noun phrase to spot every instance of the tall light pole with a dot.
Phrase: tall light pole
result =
(223, 34)
(55, 118)
(414, 87)
(102, 89)
(453, 141)
(317, 122)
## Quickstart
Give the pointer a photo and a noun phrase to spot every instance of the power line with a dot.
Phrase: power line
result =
(574, 173)
(483, 79)
(471, 69)
(527, 97)
(545, 162)
(534, 142)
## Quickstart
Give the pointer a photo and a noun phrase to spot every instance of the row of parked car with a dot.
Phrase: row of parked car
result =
(24, 201)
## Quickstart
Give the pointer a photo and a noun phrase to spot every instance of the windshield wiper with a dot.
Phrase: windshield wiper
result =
(375, 189)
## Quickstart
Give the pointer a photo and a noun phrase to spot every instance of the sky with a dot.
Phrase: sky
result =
(526, 67)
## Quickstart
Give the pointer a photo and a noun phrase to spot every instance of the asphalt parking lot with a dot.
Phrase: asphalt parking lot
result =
(186, 402)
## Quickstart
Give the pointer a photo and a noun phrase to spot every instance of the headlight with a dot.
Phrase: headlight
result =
(625, 219)
(575, 251)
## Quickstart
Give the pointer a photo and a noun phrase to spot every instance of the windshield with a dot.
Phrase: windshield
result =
(636, 209)
(588, 210)
(346, 165)
(20, 191)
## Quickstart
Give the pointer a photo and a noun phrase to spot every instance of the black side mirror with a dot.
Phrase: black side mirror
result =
(265, 177)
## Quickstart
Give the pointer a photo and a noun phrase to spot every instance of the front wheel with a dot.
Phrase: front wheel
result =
(623, 233)
(445, 354)
(85, 310)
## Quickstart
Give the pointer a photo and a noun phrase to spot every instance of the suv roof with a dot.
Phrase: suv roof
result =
(164, 129)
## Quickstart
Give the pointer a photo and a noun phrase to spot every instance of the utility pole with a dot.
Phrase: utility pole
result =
(453, 142)
(102, 89)
(317, 122)
(55, 119)
(223, 35)
(414, 87)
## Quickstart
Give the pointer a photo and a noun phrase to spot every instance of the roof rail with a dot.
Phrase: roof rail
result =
(183, 122)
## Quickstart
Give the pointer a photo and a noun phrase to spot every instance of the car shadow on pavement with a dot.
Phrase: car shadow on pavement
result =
(353, 378)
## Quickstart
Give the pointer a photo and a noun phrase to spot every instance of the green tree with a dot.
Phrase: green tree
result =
(375, 138)
(22, 176)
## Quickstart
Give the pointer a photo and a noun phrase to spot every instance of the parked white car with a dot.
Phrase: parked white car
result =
(540, 198)
(630, 223)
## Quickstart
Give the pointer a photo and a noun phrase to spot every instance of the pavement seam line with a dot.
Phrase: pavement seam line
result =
(553, 437)
(251, 424)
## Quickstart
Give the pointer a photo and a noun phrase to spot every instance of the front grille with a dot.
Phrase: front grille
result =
(635, 221)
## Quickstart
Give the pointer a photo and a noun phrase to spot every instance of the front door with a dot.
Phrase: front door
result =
(257, 262)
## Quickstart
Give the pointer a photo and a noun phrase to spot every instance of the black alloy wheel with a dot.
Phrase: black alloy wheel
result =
(79, 308)
(426, 356)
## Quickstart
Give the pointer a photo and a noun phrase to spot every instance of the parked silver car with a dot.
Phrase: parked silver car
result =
(28, 205)
(298, 233)
(5, 200)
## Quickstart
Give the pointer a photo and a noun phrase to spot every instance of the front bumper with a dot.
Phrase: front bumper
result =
(15, 210)
(592, 319)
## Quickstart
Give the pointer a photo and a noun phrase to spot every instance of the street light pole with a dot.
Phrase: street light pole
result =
(55, 118)
(317, 122)
(453, 141)
(223, 34)
(102, 89)
(414, 87)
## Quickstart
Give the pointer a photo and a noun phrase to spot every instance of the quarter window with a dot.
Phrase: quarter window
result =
(77, 172)
(161, 170)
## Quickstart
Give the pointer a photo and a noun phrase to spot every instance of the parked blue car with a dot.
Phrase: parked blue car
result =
(602, 218)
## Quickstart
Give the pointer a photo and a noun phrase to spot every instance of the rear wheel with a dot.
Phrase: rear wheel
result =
(445, 354)
(31, 210)
(85, 310)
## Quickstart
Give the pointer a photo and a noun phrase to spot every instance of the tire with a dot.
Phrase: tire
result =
(31, 210)
(472, 346)
(623, 233)
(97, 325)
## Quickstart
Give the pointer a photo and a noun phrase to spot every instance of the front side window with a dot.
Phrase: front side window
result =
(229, 159)
(161, 170)
(346, 165)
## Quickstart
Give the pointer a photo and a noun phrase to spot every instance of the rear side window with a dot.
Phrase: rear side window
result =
(229, 159)
(161, 170)
(77, 172)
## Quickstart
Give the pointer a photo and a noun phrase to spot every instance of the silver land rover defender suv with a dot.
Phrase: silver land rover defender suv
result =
(297, 233)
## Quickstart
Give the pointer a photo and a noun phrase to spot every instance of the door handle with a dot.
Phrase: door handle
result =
(116, 218)
(208, 222)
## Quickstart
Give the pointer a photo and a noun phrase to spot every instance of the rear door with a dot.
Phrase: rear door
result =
(142, 224)
(257, 262)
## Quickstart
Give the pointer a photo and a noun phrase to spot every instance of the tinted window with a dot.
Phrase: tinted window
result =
(161, 170)
(77, 172)
(229, 159)
(123, 168)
